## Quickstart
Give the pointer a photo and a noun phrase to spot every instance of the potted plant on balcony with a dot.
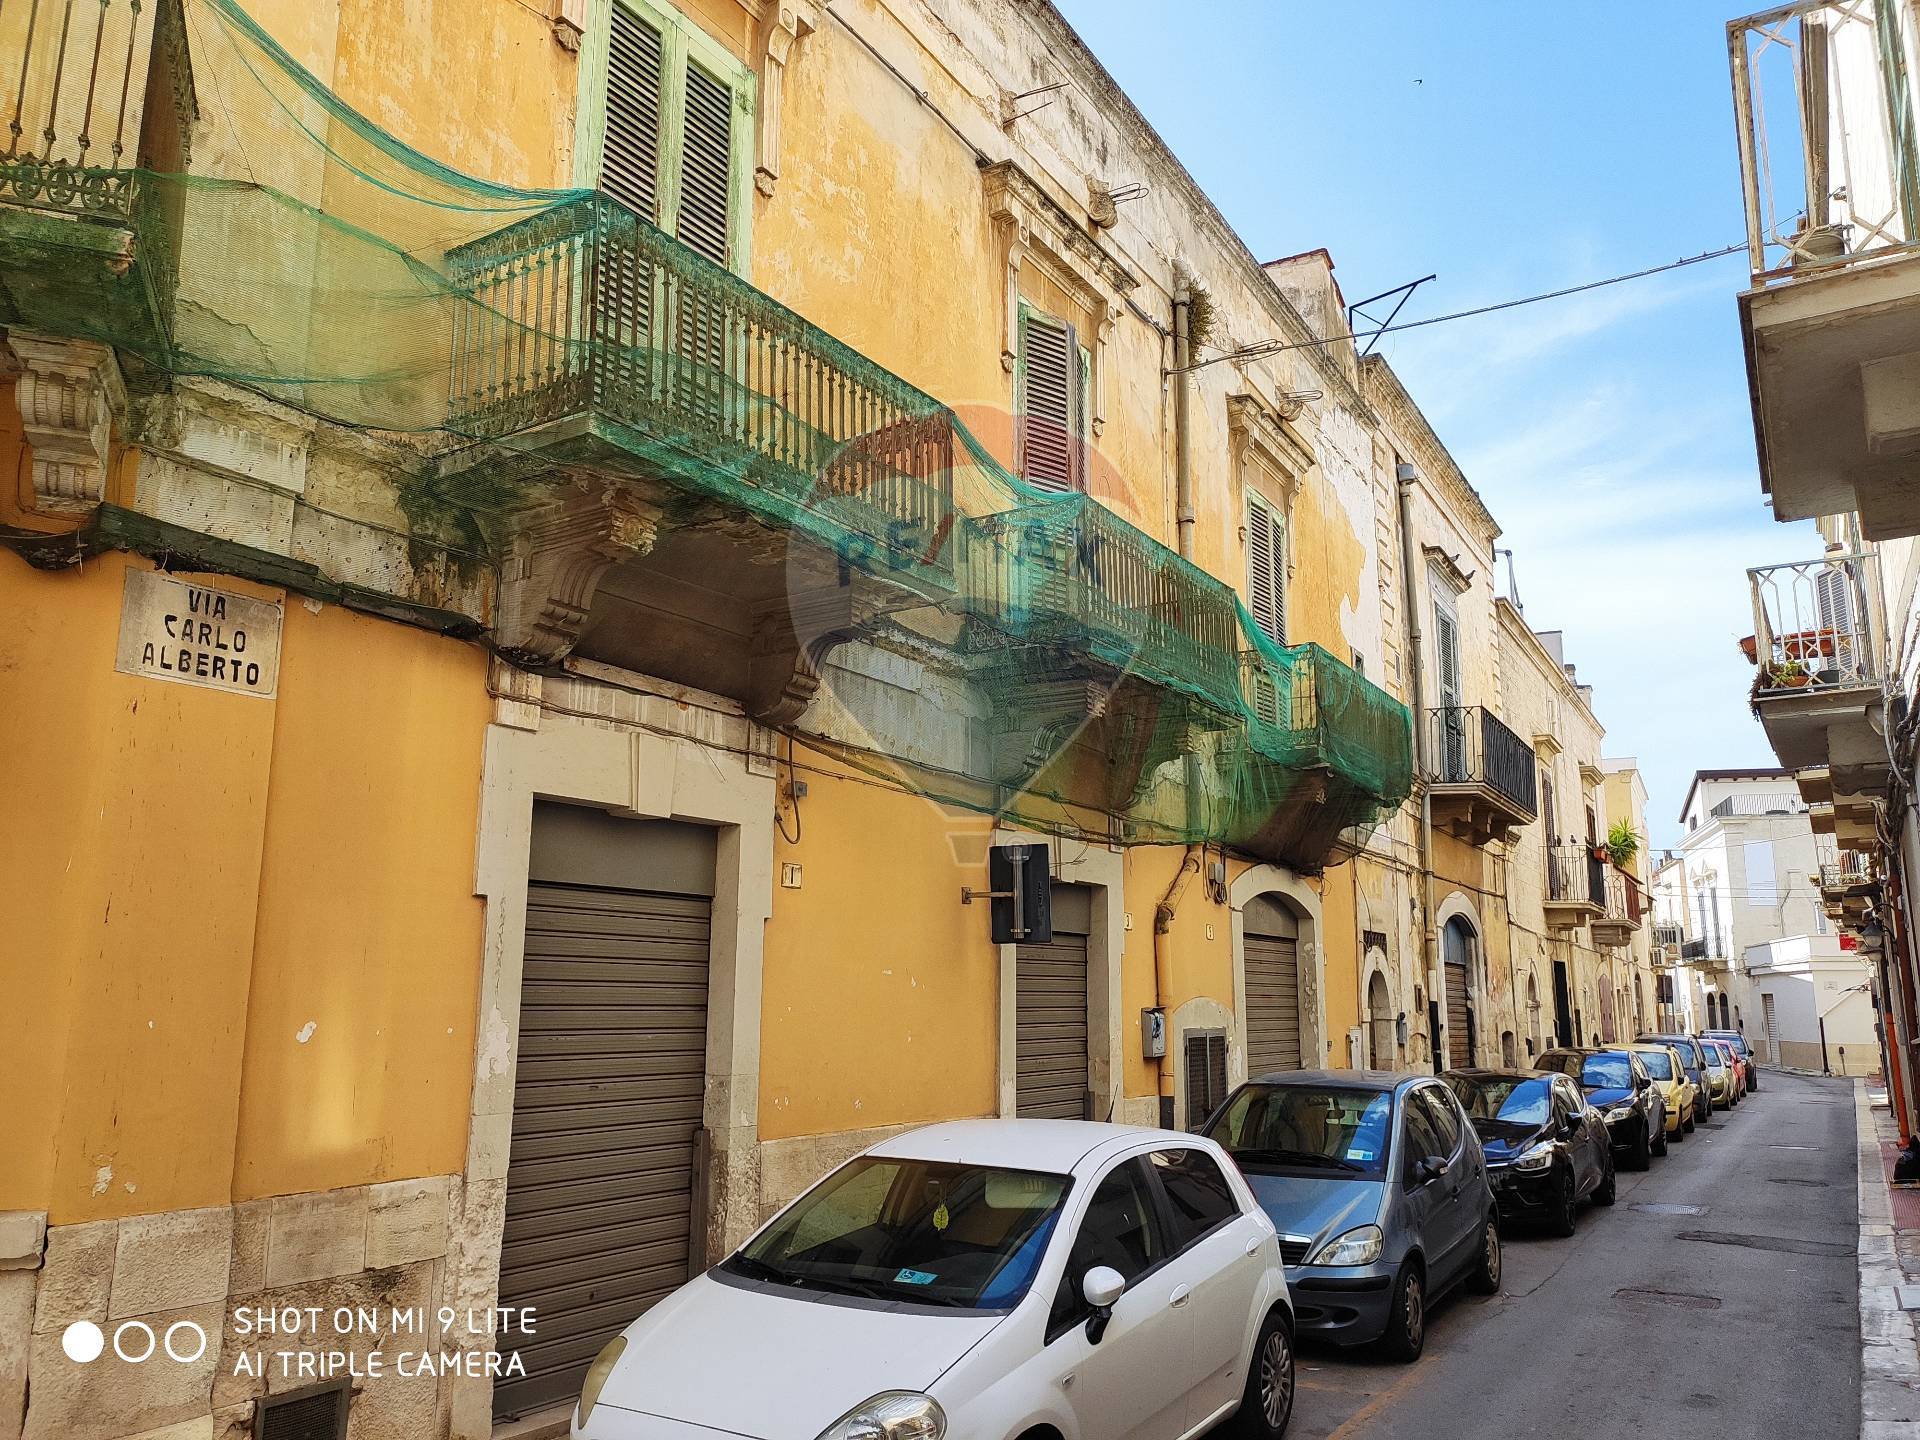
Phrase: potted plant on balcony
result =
(1623, 843)
(1788, 675)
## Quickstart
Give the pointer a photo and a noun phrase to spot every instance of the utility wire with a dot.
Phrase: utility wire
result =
(1274, 347)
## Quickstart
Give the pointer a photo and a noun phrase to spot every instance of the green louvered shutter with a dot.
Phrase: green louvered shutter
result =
(1266, 570)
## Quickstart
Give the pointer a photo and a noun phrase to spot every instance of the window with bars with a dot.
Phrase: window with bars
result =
(676, 113)
(1206, 1060)
(1051, 402)
(1267, 567)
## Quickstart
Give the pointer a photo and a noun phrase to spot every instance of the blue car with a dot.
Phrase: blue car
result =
(1617, 1084)
(1378, 1187)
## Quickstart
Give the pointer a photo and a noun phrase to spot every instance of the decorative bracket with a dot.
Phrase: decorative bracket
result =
(69, 393)
(792, 638)
(556, 562)
(784, 24)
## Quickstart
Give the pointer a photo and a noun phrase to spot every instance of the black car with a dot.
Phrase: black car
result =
(1619, 1087)
(1546, 1148)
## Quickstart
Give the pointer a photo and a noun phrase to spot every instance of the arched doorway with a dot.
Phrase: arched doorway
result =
(1606, 1007)
(1533, 1013)
(1382, 1053)
(1272, 957)
(1457, 952)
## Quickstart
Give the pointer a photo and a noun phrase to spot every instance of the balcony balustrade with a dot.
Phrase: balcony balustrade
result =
(1817, 651)
(1825, 100)
(1482, 777)
(1625, 910)
(1576, 885)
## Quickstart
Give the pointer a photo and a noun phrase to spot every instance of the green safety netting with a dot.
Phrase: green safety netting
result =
(297, 249)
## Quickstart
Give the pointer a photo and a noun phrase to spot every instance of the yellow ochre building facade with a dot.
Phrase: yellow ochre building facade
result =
(548, 549)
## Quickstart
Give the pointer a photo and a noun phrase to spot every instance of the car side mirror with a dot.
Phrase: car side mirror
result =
(1429, 1170)
(1572, 1123)
(1101, 1288)
(1640, 1082)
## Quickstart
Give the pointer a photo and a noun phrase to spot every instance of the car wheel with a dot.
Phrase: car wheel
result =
(1406, 1333)
(1560, 1219)
(1682, 1130)
(1640, 1157)
(1485, 1279)
(1660, 1140)
(1266, 1405)
(1753, 1083)
(1607, 1191)
(1693, 1117)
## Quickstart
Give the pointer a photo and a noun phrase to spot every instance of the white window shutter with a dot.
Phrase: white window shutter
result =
(1266, 570)
(630, 155)
(1050, 390)
(706, 167)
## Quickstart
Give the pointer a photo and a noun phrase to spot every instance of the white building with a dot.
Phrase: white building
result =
(1739, 908)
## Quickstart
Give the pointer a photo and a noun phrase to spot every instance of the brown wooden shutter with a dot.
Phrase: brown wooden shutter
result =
(630, 155)
(1266, 570)
(706, 167)
(1049, 403)
(1206, 1059)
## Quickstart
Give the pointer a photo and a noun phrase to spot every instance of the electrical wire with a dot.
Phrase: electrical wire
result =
(1275, 347)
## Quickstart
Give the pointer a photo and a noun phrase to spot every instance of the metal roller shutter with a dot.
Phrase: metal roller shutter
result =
(1273, 1004)
(608, 1103)
(1050, 1015)
(1459, 1035)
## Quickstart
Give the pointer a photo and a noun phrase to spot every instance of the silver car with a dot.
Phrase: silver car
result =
(1378, 1187)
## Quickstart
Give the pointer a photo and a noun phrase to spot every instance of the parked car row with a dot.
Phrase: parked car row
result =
(1003, 1279)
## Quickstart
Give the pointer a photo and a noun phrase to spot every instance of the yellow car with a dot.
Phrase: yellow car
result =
(1663, 1064)
(1720, 1077)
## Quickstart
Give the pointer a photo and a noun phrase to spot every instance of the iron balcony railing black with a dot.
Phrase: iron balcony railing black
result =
(1694, 950)
(1470, 746)
(1575, 875)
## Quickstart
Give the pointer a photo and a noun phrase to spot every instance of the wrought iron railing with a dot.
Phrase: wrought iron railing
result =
(1824, 102)
(1469, 745)
(1694, 950)
(1625, 901)
(588, 309)
(74, 87)
(1813, 625)
(1844, 869)
(1667, 935)
(1575, 875)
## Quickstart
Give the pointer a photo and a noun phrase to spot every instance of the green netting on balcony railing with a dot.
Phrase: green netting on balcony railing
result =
(313, 257)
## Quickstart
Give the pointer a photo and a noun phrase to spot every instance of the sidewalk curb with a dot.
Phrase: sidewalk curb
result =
(1889, 1346)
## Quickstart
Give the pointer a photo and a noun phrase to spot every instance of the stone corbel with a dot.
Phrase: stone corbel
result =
(783, 25)
(70, 394)
(557, 560)
(792, 638)
(1015, 235)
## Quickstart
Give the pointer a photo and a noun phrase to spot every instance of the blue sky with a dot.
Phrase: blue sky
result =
(1524, 149)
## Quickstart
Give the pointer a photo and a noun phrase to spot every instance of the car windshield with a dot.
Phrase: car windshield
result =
(1716, 1057)
(1658, 1064)
(1735, 1043)
(1320, 1128)
(1607, 1072)
(1504, 1098)
(921, 1231)
(1689, 1052)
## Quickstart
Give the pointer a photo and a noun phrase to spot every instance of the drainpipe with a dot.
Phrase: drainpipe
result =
(1163, 972)
(1183, 514)
(1405, 475)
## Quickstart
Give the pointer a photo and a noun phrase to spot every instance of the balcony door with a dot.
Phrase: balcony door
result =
(1453, 720)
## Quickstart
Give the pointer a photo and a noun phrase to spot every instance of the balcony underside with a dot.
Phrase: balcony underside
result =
(1838, 730)
(1477, 813)
(1833, 363)
(81, 275)
(1607, 930)
(1571, 914)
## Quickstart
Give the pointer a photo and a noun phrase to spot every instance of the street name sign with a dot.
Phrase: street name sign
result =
(194, 635)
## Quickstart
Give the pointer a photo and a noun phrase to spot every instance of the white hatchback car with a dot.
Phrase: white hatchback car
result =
(980, 1280)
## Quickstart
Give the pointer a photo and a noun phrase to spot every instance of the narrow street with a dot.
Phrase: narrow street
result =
(1738, 1320)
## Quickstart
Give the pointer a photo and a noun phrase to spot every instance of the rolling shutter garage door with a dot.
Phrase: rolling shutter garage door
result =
(1459, 1035)
(1272, 950)
(609, 1088)
(1050, 1013)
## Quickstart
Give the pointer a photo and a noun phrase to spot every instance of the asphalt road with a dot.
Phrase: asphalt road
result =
(1741, 1320)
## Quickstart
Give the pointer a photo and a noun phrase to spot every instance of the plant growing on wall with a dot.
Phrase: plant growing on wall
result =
(1623, 843)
